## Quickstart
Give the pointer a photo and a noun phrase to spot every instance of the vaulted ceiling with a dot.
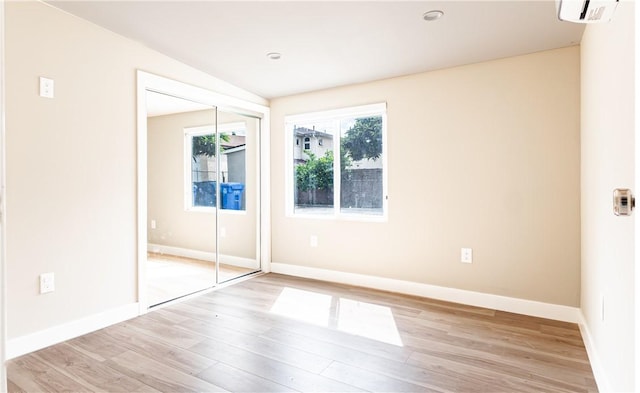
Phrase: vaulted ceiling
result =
(329, 43)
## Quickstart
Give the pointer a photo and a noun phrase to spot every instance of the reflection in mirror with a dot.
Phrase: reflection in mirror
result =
(181, 240)
(238, 218)
(201, 143)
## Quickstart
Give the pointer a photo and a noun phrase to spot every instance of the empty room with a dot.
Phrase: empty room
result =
(335, 196)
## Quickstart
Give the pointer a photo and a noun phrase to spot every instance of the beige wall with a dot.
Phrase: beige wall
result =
(71, 163)
(608, 124)
(196, 230)
(484, 156)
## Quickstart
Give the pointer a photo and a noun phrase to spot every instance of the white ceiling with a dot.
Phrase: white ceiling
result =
(326, 44)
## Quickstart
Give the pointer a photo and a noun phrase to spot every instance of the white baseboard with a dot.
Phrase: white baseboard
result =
(32, 342)
(203, 255)
(479, 299)
(596, 365)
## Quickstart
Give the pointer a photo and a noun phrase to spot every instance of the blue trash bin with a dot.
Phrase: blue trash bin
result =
(231, 195)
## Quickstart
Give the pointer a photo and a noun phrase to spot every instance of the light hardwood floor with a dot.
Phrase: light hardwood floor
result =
(276, 333)
(170, 277)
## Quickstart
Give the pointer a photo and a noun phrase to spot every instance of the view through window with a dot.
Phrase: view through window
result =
(201, 178)
(340, 168)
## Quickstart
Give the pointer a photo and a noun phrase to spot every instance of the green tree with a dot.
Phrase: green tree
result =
(363, 140)
(316, 173)
(206, 145)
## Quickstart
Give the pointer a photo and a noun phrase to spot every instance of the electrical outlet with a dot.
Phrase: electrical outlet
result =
(313, 241)
(47, 283)
(466, 255)
(153, 224)
(46, 87)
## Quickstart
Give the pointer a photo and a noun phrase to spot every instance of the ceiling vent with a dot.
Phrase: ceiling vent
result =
(586, 11)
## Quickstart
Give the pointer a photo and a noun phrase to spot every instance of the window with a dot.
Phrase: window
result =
(202, 171)
(345, 174)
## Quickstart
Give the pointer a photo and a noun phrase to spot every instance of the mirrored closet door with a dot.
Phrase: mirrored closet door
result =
(203, 201)
(238, 217)
(181, 181)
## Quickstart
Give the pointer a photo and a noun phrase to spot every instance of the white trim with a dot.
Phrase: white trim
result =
(597, 368)
(3, 212)
(264, 167)
(185, 91)
(142, 83)
(150, 82)
(32, 342)
(203, 255)
(471, 298)
(637, 187)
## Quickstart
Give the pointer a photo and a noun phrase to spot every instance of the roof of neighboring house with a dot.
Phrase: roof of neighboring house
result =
(234, 149)
(234, 141)
(304, 131)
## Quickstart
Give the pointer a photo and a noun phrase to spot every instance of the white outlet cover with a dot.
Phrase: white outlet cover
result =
(46, 87)
(47, 283)
(466, 255)
(313, 241)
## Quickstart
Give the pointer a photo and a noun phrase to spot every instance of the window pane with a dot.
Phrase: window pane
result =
(313, 168)
(233, 143)
(361, 165)
(203, 170)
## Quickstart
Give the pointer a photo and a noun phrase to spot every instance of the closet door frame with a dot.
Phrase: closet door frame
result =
(150, 82)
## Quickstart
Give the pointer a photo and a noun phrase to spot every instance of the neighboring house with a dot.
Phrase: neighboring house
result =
(318, 143)
(361, 183)
(232, 162)
(312, 140)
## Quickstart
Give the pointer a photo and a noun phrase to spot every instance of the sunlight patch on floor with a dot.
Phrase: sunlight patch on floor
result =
(362, 319)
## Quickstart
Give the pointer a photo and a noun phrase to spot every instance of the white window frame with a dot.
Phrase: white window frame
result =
(379, 109)
(189, 133)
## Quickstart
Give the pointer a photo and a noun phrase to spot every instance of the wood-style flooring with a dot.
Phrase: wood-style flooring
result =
(170, 277)
(275, 333)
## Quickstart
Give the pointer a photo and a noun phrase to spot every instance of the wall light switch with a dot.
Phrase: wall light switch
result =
(313, 241)
(47, 283)
(466, 255)
(153, 224)
(46, 87)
